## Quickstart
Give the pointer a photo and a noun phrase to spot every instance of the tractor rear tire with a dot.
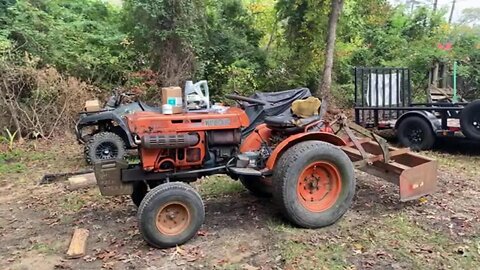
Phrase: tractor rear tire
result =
(416, 133)
(170, 214)
(470, 120)
(314, 184)
(140, 189)
(255, 185)
(104, 146)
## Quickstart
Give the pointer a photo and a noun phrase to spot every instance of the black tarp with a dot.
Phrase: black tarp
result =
(278, 103)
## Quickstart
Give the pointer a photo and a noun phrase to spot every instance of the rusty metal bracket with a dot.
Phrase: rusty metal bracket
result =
(383, 146)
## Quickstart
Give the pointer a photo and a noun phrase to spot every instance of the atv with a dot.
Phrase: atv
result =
(104, 131)
(306, 164)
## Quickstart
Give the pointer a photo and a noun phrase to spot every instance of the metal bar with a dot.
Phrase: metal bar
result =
(412, 108)
(409, 85)
(444, 116)
(375, 113)
(363, 94)
(439, 104)
(390, 93)
(398, 91)
(403, 88)
(357, 112)
(369, 92)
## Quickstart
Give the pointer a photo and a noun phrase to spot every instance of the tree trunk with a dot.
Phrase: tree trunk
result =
(451, 11)
(435, 4)
(12, 110)
(325, 87)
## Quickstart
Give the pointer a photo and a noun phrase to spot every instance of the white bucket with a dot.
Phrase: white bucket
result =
(167, 109)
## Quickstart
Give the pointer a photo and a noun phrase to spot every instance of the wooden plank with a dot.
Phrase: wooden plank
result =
(82, 181)
(78, 244)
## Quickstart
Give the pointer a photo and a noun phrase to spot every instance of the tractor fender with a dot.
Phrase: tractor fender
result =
(107, 116)
(434, 122)
(294, 139)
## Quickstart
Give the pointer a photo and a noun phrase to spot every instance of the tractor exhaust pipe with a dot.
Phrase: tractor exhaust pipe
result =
(169, 141)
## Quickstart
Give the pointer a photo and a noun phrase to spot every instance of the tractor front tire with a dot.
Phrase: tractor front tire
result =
(416, 133)
(314, 184)
(470, 120)
(256, 185)
(104, 146)
(170, 214)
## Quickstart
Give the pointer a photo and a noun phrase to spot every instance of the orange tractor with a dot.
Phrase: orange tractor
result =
(306, 164)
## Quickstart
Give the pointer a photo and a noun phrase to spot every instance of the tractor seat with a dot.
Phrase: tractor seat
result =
(289, 121)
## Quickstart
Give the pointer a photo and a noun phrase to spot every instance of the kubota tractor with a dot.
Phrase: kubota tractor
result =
(306, 164)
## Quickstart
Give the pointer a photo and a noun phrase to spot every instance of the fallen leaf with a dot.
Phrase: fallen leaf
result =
(423, 200)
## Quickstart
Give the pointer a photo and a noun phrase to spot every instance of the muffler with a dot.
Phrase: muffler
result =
(169, 141)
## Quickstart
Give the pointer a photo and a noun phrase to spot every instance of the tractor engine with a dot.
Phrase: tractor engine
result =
(170, 143)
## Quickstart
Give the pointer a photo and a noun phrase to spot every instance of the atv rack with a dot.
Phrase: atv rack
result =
(416, 175)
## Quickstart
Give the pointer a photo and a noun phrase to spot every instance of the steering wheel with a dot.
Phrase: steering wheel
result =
(246, 99)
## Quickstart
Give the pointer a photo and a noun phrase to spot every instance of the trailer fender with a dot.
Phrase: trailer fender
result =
(434, 122)
(294, 139)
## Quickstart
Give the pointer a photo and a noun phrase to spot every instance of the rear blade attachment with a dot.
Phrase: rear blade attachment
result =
(416, 175)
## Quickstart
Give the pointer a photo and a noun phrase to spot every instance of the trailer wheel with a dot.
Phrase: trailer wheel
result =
(255, 185)
(314, 184)
(416, 133)
(470, 120)
(170, 214)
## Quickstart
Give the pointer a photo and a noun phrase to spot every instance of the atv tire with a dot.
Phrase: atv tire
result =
(104, 146)
(255, 185)
(416, 133)
(170, 214)
(470, 120)
(314, 184)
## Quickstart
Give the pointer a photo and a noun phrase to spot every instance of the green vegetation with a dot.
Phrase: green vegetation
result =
(219, 185)
(237, 45)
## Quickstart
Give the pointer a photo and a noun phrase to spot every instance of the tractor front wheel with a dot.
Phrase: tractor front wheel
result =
(170, 214)
(314, 184)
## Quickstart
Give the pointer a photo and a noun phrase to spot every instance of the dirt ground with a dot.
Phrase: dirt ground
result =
(241, 231)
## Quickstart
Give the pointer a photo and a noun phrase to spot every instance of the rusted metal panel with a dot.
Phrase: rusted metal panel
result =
(109, 178)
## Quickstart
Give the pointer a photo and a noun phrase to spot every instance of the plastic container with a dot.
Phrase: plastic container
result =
(198, 95)
(167, 109)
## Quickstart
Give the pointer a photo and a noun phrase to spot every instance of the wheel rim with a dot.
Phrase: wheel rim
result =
(106, 150)
(319, 186)
(173, 218)
(476, 122)
(415, 135)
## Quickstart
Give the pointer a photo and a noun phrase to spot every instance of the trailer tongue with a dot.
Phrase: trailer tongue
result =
(416, 175)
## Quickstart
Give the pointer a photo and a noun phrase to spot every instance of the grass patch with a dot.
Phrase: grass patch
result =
(413, 246)
(467, 164)
(219, 185)
(324, 256)
(44, 248)
(6, 168)
(72, 202)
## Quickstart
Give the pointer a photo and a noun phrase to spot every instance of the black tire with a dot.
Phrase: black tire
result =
(287, 177)
(140, 189)
(416, 133)
(180, 196)
(256, 185)
(104, 146)
(470, 120)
